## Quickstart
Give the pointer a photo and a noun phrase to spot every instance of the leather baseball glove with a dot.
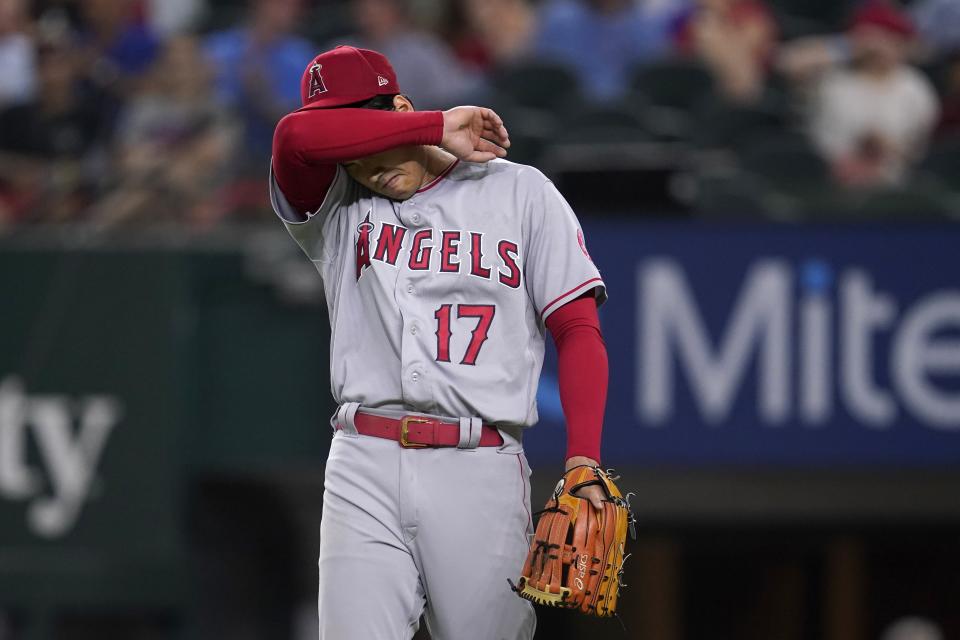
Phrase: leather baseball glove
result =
(576, 559)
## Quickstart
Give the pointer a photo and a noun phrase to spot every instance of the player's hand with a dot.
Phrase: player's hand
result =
(474, 134)
(593, 493)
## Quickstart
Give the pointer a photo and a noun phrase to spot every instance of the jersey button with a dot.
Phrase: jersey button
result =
(416, 218)
(413, 330)
(415, 376)
(410, 288)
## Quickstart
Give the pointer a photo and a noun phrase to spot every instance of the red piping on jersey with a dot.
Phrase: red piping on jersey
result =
(436, 181)
(523, 483)
(564, 295)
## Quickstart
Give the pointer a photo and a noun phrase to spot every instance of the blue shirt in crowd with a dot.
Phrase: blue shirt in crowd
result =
(280, 65)
(601, 48)
(939, 24)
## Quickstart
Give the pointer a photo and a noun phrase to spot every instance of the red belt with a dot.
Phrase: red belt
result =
(414, 432)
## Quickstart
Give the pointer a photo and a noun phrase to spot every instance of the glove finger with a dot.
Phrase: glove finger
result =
(537, 556)
(595, 570)
(553, 575)
(607, 551)
(583, 532)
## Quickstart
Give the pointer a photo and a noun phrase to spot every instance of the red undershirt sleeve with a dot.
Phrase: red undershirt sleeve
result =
(307, 145)
(582, 368)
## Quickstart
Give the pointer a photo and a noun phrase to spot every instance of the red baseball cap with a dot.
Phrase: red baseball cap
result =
(882, 15)
(345, 75)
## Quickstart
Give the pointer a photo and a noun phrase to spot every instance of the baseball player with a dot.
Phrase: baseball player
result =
(443, 266)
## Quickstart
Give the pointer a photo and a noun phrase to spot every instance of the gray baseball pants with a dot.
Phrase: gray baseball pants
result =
(432, 531)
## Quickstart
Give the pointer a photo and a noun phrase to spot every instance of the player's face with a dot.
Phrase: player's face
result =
(395, 173)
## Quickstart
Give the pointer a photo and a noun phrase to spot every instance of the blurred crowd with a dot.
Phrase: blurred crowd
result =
(121, 112)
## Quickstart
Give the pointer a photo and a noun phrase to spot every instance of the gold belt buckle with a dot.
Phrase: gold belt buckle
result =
(405, 431)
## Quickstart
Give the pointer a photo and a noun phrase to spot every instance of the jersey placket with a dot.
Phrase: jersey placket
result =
(414, 382)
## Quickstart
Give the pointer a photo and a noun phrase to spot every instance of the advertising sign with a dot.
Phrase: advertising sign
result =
(774, 344)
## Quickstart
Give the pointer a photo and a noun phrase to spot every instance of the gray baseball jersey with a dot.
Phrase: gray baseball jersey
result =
(437, 303)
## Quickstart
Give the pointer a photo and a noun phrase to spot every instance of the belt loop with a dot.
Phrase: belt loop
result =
(476, 430)
(345, 415)
(464, 434)
(470, 432)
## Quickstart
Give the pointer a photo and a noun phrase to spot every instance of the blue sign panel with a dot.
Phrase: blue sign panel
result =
(775, 345)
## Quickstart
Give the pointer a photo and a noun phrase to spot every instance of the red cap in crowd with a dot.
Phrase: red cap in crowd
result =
(883, 15)
(346, 75)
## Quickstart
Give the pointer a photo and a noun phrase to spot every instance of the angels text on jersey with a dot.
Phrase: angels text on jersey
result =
(441, 251)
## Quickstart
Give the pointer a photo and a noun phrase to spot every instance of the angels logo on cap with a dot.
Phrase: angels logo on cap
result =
(346, 75)
(316, 81)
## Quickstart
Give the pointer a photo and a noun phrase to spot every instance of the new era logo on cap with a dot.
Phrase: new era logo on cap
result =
(346, 75)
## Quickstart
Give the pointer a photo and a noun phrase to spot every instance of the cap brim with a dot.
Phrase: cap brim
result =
(341, 101)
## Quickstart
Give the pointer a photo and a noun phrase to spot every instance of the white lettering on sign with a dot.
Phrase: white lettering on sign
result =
(70, 436)
(671, 323)
(771, 322)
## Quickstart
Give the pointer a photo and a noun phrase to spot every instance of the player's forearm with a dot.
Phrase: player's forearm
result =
(307, 145)
(324, 136)
(583, 391)
(583, 373)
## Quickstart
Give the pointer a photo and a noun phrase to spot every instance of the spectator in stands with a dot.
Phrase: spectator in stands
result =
(735, 39)
(601, 40)
(48, 147)
(426, 66)
(257, 68)
(116, 48)
(949, 125)
(938, 23)
(871, 121)
(120, 44)
(670, 10)
(174, 144)
(167, 17)
(804, 59)
(492, 33)
(18, 80)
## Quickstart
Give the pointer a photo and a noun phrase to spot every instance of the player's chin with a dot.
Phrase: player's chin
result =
(399, 190)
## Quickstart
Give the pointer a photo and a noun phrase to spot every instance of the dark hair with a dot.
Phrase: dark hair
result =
(382, 102)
